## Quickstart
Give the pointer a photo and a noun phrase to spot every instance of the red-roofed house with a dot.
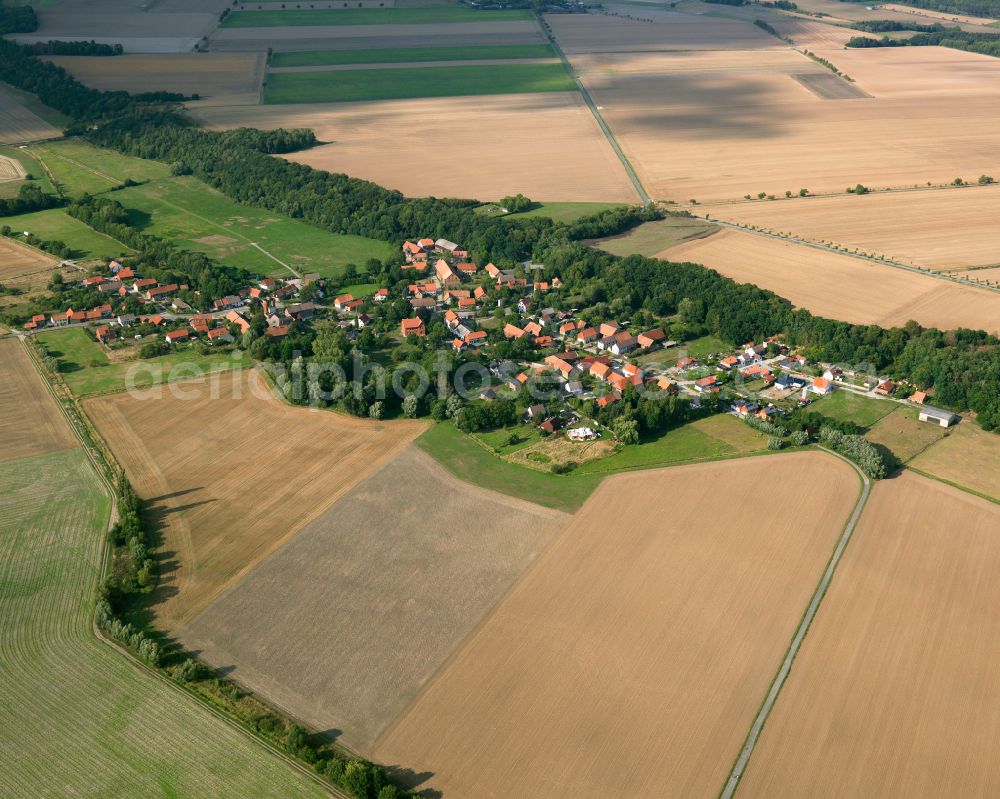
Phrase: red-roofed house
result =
(177, 335)
(651, 338)
(413, 327)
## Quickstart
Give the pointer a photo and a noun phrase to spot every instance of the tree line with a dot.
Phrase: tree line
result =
(955, 38)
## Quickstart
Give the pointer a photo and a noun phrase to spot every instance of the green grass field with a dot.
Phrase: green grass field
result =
(80, 168)
(398, 83)
(78, 718)
(88, 372)
(706, 439)
(849, 407)
(319, 58)
(196, 217)
(56, 224)
(469, 461)
(565, 211)
(713, 437)
(367, 16)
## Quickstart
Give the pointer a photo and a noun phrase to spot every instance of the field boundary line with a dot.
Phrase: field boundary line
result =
(947, 482)
(605, 129)
(870, 258)
(102, 476)
(739, 767)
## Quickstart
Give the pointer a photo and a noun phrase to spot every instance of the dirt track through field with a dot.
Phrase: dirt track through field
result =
(630, 661)
(214, 473)
(893, 691)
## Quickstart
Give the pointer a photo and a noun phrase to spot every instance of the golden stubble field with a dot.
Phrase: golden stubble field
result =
(228, 479)
(21, 261)
(686, 119)
(630, 660)
(937, 229)
(219, 78)
(839, 286)
(30, 421)
(450, 152)
(895, 688)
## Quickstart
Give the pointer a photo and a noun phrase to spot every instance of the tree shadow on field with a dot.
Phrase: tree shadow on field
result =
(413, 779)
(696, 106)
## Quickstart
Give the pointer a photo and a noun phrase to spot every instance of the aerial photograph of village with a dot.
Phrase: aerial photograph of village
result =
(499, 399)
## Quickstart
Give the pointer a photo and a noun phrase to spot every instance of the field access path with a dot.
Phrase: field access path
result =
(605, 129)
(800, 633)
(861, 256)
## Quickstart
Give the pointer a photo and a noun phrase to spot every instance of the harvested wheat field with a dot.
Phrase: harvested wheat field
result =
(812, 35)
(935, 229)
(219, 78)
(840, 286)
(30, 421)
(457, 155)
(19, 260)
(631, 658)
(344, 624)
(938, 15)
(684, 120)
(11, 170)
(214, 472)
(967, 456)
(894, 690)
(597, 33)
(926, 72)
(18, 124)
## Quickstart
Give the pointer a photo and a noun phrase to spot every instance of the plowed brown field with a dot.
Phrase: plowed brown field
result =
(219, 78)
(631, 659)
(894, 690)
(345, 624)
(229, 479)
(840, 286)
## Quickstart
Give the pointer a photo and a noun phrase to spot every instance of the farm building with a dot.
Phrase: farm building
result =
(937, 416)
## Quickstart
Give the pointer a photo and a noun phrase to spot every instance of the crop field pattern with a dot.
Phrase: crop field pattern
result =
(629, 661)
(684, 108)
(345, 623)
(78, 718)
(936, 229)
(18, 124)
(30, 423)
(418, 81)
(217, 78)
(569, 158)
(209, 468)
(893, 691)
(840, 286)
